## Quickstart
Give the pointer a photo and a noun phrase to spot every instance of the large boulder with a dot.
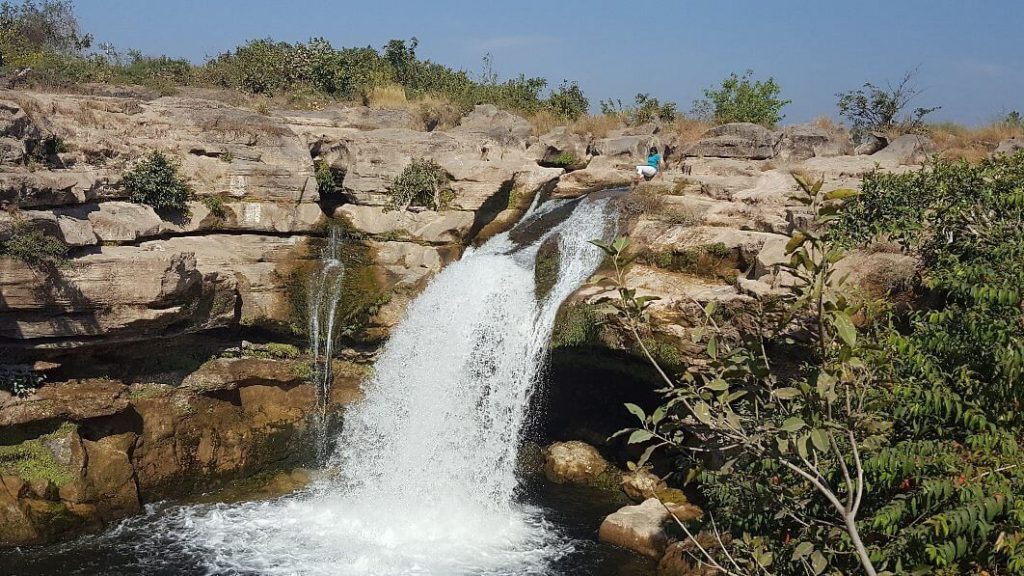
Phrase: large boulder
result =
(561, 147)
(1011, 145)
(632, 147)
(499, 125)
(574, 462)
(736, 140)
(906, 149)
(638, 528)
(805, 141)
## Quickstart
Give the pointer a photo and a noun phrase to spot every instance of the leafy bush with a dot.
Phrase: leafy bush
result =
(325, 181)
(876, 109)
(568, 102)
(154, 180)
(215, 204)
(33, 246)
(20, 381)
(30, 29)
(422, 183)
(893, 447)
(645, 109)
(742, 99)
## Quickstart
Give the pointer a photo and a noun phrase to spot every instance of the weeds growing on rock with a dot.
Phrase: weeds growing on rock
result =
(155, 180)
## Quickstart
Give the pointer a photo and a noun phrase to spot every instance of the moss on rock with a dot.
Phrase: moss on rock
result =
(34, 460)
(545, 272)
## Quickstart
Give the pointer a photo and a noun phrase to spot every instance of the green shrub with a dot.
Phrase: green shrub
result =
(422, 183)
(645, 109)
(33, 246)
(215, 204)
(568, 102)
(154, 180)
(20, 381)
(565, 160)
(325, 182)
(876, 109)
(742, 99)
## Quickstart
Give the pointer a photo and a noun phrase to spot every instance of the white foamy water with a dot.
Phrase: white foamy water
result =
(324, 290)
(423, 475)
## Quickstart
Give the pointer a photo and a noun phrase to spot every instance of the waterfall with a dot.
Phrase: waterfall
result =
(422, 480)
(323, 294)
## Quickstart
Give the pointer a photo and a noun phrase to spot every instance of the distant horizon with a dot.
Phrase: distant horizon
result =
(967, 56)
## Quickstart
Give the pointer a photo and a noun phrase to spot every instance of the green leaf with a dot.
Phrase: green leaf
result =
(801, 445)
(802, 549)
(710, 307)
(792, 424)
(841, 194)
(620, 243)
(818, 562)
(845, 328)
(639, 436)
(659, 415)
(787, 393)
(702, 412)
(636, 411)
(820, 439)
(646, 455)
(796, 241)
(718, 385)
(713, 347)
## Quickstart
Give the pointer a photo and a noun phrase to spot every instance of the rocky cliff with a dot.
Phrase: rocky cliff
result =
(150, 390)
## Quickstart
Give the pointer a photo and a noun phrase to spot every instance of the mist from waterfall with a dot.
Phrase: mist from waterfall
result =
(423, 478)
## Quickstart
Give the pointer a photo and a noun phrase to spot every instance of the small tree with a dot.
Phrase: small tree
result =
(876, 109)
(154, 180)
(32, 246)
(568, 102)
(742, 99)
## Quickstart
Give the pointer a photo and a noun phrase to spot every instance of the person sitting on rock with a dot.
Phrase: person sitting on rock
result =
(649, 170)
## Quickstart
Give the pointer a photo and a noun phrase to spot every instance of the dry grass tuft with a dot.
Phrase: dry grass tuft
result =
(958, 142)
(544, 122)
(598, 126)
(687, 130)
(388, 96)
(436, 112)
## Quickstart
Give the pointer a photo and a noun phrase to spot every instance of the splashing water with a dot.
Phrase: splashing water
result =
(423, 477)
(324, 291)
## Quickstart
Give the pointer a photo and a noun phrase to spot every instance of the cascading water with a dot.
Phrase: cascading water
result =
(422, 480)
(323, 294)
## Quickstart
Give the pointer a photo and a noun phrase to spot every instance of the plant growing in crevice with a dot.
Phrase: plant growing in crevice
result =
(155, 180)
(33, 246)
(326, 184)
(216, 206)
(422, 183)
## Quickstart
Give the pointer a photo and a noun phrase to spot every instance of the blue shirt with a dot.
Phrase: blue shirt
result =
(654, 160)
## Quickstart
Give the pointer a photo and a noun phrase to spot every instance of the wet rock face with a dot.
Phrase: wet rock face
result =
(79, 455)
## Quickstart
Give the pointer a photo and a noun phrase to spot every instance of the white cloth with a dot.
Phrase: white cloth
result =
(647, 171)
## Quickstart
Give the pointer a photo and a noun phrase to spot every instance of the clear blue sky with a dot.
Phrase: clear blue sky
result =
(970, 52)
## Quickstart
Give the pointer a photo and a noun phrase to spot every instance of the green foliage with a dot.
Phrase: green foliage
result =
(742, 99)
(325, 181)
(154, 180)
(645, 109)
(1014, 120)
(33, 459)
(422, 183)
(876, 109)
(33, 246)
(20, 380)
(568, 102)
(903, 433)
(30, 29)
(577, 324)
(565, 160)
(215, 204)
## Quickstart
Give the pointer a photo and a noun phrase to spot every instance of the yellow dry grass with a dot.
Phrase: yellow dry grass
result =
(387, 96)
(687, 130)
(599, 126)
(958, 142)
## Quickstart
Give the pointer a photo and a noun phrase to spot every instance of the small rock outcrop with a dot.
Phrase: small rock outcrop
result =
(638, 528)
(906, 149)
(1011, 145)
(738, 140)
(805, 141)
(574, 462)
